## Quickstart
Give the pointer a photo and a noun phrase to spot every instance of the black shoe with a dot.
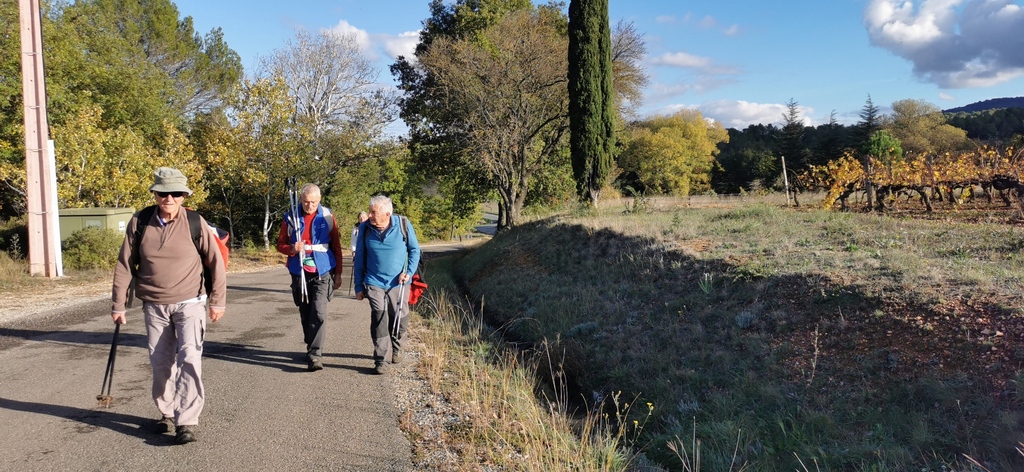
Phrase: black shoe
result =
(396, 356)
(315, 365)
(164, 425)
(380, 368)
(185, 435)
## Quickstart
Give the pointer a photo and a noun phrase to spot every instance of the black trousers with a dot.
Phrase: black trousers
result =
(313, 310)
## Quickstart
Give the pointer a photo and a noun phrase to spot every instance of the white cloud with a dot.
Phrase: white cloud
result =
(665, 19)
(946, 97)
(699, 64)
(952, 43)
(740, 113)
(361, 37)
(402, 45)
(733, 30)
(376, 46)
(682, 59)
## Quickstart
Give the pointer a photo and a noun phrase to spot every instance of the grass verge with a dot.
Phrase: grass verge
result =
(507, 416)
(778, 338)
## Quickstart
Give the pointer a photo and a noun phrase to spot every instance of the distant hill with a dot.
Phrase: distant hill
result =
(994, 103)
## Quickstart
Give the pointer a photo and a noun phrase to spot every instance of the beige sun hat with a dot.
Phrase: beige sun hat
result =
(167, 179)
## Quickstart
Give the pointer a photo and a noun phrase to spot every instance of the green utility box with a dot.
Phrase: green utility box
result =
(74, 219)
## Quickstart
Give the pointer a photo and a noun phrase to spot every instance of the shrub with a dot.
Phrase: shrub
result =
(14, 238)
(92, 248)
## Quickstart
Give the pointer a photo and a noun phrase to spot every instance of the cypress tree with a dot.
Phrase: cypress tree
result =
(591, 100)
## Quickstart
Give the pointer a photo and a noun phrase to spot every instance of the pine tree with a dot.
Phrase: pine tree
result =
(870, 122)
(591, 100)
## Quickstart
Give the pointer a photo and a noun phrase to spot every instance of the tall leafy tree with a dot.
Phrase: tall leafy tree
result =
(139, 61)
(506, 91)
(334, 88)
(112, 167)
(629, 77)
(673, 154)
(334, 84)
(440, 144)
(591, 96)
(12, 142)
(922, 129)
(270, 145)
(131, 67)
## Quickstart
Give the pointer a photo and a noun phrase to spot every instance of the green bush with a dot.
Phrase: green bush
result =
(14, 238)
(92, 248)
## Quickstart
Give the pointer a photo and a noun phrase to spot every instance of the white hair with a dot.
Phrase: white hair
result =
(310, 189)
(382, 203)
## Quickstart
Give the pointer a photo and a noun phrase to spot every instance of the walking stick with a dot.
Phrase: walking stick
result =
(351, 281)
(294, 221)
(398, 311)
(108, 376)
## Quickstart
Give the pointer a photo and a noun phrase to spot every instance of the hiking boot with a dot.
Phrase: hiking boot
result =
(164, 425)
(380, 368)
(396, 356)
(185, 435)
(315, 365)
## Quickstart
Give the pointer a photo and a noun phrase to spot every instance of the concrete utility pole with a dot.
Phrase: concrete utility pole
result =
(40, 182)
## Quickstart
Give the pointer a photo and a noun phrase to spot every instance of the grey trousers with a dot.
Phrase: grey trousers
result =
(174, 335)
(313, 310)
(384, 316)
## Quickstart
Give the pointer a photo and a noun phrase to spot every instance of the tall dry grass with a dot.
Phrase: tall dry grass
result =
(516, 419)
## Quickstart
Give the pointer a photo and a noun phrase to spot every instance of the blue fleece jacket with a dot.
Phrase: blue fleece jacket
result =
(381, 255)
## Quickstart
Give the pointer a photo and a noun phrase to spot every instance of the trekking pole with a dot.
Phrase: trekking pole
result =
(398, 310)
(295, 221)
(351, 281)
(108, 376)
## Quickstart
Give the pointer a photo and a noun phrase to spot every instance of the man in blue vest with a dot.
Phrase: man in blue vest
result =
(387, 254)
(315, 263)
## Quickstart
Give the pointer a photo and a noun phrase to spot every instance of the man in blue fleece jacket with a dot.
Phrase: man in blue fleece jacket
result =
(386, 257)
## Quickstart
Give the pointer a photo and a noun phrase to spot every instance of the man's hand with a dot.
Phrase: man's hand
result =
(402, 279)
(118, 317)
(360, 295)
(216, 314)
(298, 247)
(337, 281)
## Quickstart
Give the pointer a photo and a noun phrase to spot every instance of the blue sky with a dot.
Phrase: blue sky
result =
(737, 61)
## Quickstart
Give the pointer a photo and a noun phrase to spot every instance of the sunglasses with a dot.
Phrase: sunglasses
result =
(173, 194)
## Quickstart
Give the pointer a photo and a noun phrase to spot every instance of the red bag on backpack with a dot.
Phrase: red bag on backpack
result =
(416, 288)
(222, 238)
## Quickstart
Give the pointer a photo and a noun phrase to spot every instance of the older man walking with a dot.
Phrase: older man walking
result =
(314, 253)
(164, 254)
(387, 254)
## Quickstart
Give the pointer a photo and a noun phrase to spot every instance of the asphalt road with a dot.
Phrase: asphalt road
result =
(264, 411)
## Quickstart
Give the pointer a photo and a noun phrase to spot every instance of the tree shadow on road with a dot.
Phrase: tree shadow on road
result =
(365, 368)
(91, 420)
(240, 288)
(287, 361)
